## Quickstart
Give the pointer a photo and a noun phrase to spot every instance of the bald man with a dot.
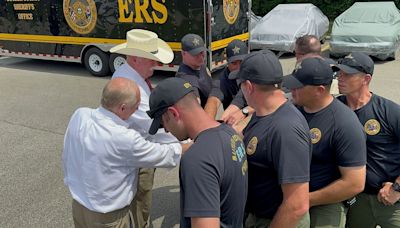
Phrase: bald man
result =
(101, 158)
(307, 45)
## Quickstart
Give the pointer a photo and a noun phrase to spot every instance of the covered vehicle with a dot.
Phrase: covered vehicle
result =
(279, 29)
(254, 19)
(369, 27)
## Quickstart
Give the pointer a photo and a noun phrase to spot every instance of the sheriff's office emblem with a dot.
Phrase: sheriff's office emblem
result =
(196, 42)
(81, 15)
(252, 146)
(315, 135)
(349, 56)
(372, 127)
(236, 50)
(231, 10)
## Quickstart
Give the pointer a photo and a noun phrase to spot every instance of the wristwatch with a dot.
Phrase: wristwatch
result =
(245, 111)
(396, 186)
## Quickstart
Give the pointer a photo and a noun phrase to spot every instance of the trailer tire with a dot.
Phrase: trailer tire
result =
(116, 60)
(96, 62)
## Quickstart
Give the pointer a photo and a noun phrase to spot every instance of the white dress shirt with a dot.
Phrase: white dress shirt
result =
(101, 159)
(140, 121)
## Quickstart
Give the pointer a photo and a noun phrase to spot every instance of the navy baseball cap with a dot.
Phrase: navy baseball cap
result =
(355, 62)
(311, 71)
(166, 94)
(236, 50)
(260, 67)
(193, 44)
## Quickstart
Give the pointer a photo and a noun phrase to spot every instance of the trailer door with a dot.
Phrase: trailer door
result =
(229, 20)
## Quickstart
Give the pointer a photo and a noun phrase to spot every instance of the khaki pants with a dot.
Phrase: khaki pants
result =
(84, 218)
(253, 221)
(328, 216)
(141, 204)
(368, 212)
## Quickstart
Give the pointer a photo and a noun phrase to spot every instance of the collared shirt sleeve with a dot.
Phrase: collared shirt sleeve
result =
(143, 153)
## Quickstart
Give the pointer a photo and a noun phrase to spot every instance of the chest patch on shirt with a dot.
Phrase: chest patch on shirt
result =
(372, 127)
(252, 146)
(315, 135)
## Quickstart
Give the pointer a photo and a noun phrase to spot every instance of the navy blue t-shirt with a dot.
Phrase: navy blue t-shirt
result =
(338, 140)
(229, 87)
(202, 82)
(213, 178)
(380, 119)
(278, 151)
(239, 100)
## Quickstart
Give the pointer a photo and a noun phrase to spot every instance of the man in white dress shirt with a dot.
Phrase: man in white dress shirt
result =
(143, 50)
(101, 158)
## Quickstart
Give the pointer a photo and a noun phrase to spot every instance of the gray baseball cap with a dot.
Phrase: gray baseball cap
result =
(260, 67)
(193, 44)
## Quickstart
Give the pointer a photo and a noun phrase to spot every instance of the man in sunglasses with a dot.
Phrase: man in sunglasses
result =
(380, 117)
(337, 171)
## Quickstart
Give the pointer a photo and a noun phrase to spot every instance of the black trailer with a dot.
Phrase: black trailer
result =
(85, 30)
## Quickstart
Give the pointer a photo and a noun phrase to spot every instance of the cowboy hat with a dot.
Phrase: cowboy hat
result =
(145, 44)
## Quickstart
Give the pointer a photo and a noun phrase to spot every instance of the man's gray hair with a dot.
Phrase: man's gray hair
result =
(119, 91)
(308, 44)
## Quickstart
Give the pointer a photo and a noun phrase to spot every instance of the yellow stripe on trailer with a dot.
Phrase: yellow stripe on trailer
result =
(224, 42)
(175, 46)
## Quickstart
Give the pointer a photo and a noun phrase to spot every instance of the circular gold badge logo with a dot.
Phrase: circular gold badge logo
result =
(231, 10)
(315, 135)
(81, 15)
(252, 146)
(372, 127)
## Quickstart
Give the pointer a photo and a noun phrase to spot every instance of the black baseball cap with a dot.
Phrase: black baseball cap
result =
(166, 94)
(236, 50)
(260, 67)
(193, 44)
(355, 62)
(311, 71)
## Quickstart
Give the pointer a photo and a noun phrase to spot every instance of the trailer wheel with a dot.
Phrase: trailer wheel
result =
(96, 62)
(116, 61)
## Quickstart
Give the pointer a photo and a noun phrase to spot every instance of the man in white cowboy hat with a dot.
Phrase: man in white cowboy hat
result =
(143, 50)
